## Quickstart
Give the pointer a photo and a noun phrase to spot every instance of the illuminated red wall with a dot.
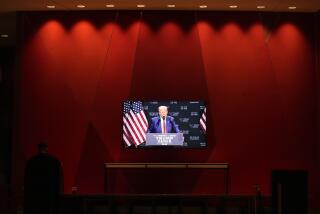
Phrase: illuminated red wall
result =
(255, 71)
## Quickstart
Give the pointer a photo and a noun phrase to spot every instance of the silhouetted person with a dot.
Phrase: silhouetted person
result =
(43, 183)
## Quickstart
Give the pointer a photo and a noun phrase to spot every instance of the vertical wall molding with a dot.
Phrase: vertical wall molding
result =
(317, 69)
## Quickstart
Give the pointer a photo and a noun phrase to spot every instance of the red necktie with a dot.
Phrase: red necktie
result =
(164, 126)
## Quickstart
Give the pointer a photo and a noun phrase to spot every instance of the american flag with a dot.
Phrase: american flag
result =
(203, 120)
(135, 123)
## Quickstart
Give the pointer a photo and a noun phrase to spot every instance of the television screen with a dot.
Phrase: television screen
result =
(179, 124)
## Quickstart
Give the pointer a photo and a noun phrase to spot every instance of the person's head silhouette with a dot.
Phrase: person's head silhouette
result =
(42, 148)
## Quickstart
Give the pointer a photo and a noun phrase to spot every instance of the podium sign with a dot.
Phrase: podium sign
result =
(169, 139)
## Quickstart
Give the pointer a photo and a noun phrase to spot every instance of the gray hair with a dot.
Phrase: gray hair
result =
(162, 107)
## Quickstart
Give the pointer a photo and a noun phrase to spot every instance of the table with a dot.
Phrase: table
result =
(146, 166)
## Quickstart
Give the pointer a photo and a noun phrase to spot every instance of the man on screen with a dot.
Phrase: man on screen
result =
(163, 123)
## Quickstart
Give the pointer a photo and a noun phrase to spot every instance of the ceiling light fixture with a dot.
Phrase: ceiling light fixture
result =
(4, 35)
(81, 6)
(51, 6)
(261, 6)
(233, 6)
(110, 5)
(141, 5)
(292, 7)
(171, 5)
(203, 6)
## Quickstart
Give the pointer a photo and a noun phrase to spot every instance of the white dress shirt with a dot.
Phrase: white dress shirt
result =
(162, 122)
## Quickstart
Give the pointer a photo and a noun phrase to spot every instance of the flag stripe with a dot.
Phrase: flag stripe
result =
(144, 117)
(126, 140)
(136, 132)
(127, 136)
(203, 120)
(203, 125)
(125, 130)
(130, 135)
(138, 125)
(131, 132)
(204, 117)
(135, 123)
(142, 123)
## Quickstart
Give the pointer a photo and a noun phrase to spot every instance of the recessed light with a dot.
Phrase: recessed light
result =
(81, 6)
(4, 35)
(141, 5)
(171, 5)
(233, 6)
(261, 6)
(110, 5)
(292, 7)
(203, 6)
(51, 6)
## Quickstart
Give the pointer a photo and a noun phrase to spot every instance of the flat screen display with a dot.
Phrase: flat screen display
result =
(150, 124)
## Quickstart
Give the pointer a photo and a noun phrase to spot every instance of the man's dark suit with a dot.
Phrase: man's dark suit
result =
(155, 125)
(43, 185)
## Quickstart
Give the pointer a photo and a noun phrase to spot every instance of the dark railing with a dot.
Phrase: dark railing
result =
(153, 203)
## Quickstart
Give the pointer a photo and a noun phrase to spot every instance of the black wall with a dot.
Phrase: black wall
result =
(7, 67)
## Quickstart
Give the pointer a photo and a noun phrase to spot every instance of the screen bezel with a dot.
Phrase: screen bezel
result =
(162, 147)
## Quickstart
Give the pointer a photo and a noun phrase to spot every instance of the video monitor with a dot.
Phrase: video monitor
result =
(149, 124)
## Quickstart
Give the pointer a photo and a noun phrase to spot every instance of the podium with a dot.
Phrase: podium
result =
(169, 139)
